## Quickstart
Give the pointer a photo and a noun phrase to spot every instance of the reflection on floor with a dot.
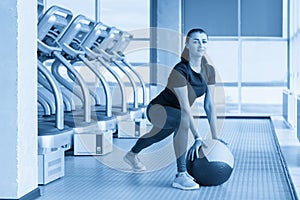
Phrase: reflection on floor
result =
(259, 171)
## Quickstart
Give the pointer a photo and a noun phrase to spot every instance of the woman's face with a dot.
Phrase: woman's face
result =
(197, 44)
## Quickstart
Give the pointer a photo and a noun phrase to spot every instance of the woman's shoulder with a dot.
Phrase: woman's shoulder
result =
(181, 65)
(207, 66)
(210, 68)
(209, 73)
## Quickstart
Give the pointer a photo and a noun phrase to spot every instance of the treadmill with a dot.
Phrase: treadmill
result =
(54, 137)
(98, 38)
(101, 45)
(118, 51)
(51, 26)
(72, 51)
(119, 59)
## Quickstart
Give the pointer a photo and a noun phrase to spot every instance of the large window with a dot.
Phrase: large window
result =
(221, 18)
(248, 47)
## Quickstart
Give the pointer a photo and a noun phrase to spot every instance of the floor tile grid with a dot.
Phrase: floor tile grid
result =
(87, 178)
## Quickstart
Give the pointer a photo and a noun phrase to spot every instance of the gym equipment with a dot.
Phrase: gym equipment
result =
(119, 59)
(54, 137)
(40, 8)
(44, 87)
(91, 43)
(100, 40)
(51, 27)
(48, 103)
(117, 55)
(106, 58)
(214, 165)
(45, 106)
(70, 42)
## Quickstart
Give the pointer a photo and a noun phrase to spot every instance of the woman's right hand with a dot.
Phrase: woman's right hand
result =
(193, 153)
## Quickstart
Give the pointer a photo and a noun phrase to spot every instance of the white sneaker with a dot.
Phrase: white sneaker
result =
(133, 160)
(185, 181)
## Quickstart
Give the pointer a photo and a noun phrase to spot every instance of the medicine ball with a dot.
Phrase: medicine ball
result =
(214, 165)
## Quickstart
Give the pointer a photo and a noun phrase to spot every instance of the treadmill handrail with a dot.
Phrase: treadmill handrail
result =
(45, 48)
(45, 95)
(108, 97)
(142, 82)
(45, 105)
(79, 26)
(133, 84)
(99, 30)
(117, 51)
(55, 71)
(120, 83)
(108, 55)
(43, 81)
(59, 114)
(92, 93)
(81, 82)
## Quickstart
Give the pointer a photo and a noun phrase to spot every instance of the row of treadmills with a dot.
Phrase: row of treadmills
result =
(75, 113)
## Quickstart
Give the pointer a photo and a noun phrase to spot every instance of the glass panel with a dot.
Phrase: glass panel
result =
(86, 8)
(217, 17)
(223, 56)
(262, 95)
(134, 19)
(264, 61)
(261, 18)
(297, 59)
(294, 67)
(263, 75)
(127, 15)
(262, 100)
(138, 51)
(231, 99)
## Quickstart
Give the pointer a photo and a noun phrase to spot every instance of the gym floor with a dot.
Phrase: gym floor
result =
(267, 165)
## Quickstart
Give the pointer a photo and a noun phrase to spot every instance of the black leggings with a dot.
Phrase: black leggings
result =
(165, 121)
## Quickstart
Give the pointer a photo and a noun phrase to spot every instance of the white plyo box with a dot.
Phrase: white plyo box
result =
(99, 143)
(51, 166)
(132, 129)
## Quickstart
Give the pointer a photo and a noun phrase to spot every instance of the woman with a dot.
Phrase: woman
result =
(170, 112)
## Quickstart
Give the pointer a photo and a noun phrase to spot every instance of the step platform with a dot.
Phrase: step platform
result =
(93, 143)
(51, 166)
(133, 128)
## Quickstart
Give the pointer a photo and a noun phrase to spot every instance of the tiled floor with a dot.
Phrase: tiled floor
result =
(259, 171)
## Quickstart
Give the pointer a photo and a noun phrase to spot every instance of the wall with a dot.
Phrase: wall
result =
(293, 115)
(18, 108)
